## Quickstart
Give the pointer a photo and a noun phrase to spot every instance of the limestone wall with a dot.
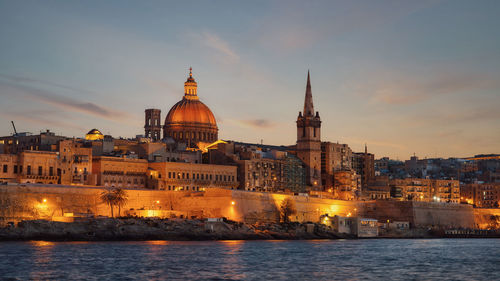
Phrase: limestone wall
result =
(421, 214)
(18, 202)
(48, 201)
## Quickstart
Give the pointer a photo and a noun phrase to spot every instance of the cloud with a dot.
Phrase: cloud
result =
(18, 79)
(399, 90)
(303, 24)
(216, 43)
(62, 102)
(253, 123)
(38, 117)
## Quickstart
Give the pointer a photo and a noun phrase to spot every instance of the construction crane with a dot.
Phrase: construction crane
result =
(14, 126)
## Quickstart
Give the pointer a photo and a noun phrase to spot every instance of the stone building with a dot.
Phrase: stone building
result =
(334, 157)
(190, 176)
(75, 162)
(30, 167)
(45, 141)
(481, 195)
(364, 165)
(119, 172)
(308, 146)
(427, 190)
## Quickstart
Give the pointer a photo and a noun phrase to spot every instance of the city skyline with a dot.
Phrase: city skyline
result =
(404, 78)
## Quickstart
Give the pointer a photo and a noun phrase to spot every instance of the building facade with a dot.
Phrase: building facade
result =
(190, 176)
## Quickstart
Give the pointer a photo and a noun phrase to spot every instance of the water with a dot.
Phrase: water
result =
(453, 259)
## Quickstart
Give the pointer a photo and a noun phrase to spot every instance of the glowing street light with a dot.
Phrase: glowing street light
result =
(44, 200)
(232, 203)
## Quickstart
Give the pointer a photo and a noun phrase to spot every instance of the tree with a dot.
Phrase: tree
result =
(120, 198)
(287, 209)
(108, 197)
(116, 196)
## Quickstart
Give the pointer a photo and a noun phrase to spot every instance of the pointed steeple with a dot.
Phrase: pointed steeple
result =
(308, 103)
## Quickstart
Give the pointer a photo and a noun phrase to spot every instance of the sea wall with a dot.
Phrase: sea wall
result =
(421, 214)
(52, 202)
(24, 202)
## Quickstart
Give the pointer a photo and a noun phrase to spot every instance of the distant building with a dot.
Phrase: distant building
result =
(364, 165)
(428, 190)
(481, 195)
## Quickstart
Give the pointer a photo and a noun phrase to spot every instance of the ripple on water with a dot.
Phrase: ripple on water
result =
(457, 259)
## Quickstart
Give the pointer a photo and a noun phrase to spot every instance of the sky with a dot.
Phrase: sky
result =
(404, 77)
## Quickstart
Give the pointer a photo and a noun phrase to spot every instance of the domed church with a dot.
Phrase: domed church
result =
(189, 121)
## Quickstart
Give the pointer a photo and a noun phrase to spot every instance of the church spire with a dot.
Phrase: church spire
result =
(308, 103)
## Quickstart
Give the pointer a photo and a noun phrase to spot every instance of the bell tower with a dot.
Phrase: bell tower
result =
(152, 126)
(309, 140)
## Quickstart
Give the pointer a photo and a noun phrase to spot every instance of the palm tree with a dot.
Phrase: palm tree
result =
(109, 198)
(287, 209)
(120, 198)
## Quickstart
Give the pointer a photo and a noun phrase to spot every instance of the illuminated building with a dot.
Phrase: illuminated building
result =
(427, 190)
(190, 121)
(93, 135)
(308, 146)
(334, 157)
(190, 176)
(120, 172)
(481, 195)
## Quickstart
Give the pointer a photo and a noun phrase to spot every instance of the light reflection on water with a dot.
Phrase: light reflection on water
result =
(457, 259)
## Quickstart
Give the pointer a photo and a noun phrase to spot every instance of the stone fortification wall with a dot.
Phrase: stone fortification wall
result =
(421, 214)
(22, 202)
(443, 214)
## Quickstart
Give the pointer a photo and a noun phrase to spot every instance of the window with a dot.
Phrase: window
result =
(20, 169)
(40, 170)
(51, 171)
(15, 169)
(5, 168)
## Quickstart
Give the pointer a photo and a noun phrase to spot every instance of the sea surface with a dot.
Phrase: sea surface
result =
(377, 259)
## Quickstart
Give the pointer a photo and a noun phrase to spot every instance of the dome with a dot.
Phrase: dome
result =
(190, 120)
(192, 112)
(94, 134)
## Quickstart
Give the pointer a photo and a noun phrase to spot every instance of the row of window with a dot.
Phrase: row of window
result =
(192, 135)
(174, 175)
(184, 188)
(19, 169)
(119, 180)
